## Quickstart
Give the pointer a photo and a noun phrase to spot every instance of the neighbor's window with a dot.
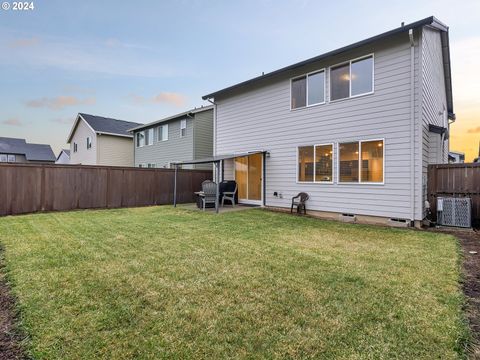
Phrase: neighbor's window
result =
(352, 78)
(162, 133)
(140, 139)
(348, 158)
(183, 128)
(11, 158)
(89, 142)
(369, 154)
(308, 90)
(149, 136)
(324, 163)
(315, 163)
(372, 161)
(75, 147)
(3, 158)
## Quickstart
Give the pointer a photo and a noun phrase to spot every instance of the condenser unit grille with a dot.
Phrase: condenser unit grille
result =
(454, 212)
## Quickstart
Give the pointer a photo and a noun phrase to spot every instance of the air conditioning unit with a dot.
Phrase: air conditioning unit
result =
(453, 211)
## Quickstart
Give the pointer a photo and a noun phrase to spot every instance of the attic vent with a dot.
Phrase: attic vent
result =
(454, 212)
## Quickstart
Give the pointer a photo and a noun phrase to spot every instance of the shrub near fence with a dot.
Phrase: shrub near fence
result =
(455, 180)
(27, 188)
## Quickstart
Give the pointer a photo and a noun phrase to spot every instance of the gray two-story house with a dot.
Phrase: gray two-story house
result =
(355, 128)
(184, 136)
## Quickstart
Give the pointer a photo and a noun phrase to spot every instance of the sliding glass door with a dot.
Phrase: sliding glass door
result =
(248, 175)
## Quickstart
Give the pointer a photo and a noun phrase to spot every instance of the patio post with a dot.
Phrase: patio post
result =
(175, 188)
(217, 176)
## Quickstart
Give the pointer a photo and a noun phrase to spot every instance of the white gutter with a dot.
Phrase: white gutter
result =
(412, 125)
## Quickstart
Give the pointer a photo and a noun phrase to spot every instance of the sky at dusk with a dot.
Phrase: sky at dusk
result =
(143, 60)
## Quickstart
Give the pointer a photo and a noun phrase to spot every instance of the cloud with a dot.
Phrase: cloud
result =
(22, 43)
(67, 121)
(474, 130)
(12, 122)
(59, 102)
(171, 98)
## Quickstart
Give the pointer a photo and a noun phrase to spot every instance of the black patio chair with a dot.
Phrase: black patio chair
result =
(299, 201)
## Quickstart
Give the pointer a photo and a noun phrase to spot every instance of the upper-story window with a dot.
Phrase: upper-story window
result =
(140, 140)
(89, 142)
(149, 136)
(162, 132)
(183, 128)
(75, 147)
(11, 158)
(3, 158)
(352, 78)
(308, 90)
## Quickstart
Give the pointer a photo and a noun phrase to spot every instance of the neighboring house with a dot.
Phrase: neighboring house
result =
(188, 135)
(455, 157)
(14, 150)
(63, 157)
(97, 140)
(355, 128)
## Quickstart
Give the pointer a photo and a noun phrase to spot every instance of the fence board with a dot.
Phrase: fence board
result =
(27, 188)
(457, 180)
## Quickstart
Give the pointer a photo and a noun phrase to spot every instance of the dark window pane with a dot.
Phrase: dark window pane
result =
(323, 163)
(340, 82)
(305, 163)
(362, 76)
(372, 161)
(299, 92)
(316, 88)
(348, 162)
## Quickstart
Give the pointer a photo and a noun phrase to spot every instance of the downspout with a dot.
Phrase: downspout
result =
(412, 126)
(214, 126)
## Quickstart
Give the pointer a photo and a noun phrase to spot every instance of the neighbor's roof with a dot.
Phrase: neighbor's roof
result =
(32, 152)
(66, 151)
(430, 21)
(180, 115)
(104, 125)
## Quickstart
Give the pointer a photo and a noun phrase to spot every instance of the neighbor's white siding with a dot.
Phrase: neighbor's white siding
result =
(261, 119)
(83, 156)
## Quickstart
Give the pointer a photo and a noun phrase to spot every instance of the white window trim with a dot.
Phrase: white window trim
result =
(145, 136)
(306, 90)
(136, 142)
(360, 182)
(164, 126)
(314, 182)
(349, 62)
(183, 121)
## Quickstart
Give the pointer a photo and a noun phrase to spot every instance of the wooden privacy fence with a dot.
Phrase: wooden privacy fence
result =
(456, 180)
(27, 188)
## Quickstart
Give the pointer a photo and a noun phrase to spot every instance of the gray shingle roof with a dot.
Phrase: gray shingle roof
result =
(66, 151)
(32, 152)
(108, 125)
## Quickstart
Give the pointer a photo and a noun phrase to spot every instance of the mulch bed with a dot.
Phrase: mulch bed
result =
(470, 242)
(10, 338)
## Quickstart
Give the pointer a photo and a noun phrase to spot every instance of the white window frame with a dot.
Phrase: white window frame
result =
(151, 134)
(89, 142)
(360, 182)
(315, 164)
(349, 62)
(306, 75)
(164, 129)
(11, 158)
(136, 141)
(3, 156)
(183, 126)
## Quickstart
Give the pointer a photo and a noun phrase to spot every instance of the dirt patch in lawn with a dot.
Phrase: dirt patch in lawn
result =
(10, 339)
(470, 242)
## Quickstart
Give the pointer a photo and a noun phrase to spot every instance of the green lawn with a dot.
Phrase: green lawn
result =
(159, 282)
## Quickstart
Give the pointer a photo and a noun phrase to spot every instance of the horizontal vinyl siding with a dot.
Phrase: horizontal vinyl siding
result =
(114, 150)
(261, 119)
(176, 148)
(434, 102)
(203, 137)
(83, 156)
